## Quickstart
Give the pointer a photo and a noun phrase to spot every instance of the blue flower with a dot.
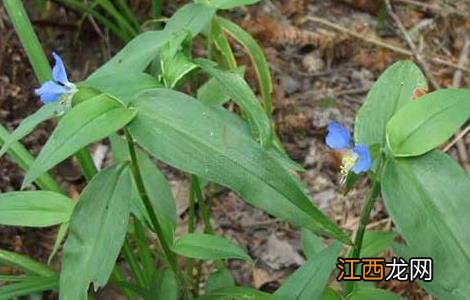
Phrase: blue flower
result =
(60, 88)
(356, 157)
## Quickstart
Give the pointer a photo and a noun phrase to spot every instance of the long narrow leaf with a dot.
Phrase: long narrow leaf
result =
(193, 137)
(28, 124)
(257, 57)
(25, 263)
(207, 246)
(309, 281)
(29, 286)
(35, 209)
(192, 17)
(427, 199)
(428, 122)
(85, 123)
(97, 230)
(241, 93)
(135, 56)
(123, 86)
(28, 38)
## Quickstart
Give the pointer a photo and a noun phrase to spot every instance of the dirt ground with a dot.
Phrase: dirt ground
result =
(324, 55)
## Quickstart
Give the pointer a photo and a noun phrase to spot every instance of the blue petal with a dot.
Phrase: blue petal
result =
(51, 91)
(364, 161)
(58, 71)
(338, 137)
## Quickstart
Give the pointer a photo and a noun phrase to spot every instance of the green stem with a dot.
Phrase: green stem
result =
(171, 257)
(364, 219)
(117, 276)
(120, 19)
(205, 213)
(144, 251)
(133, 264)
(156, 11)
(28, 39)
(86, 163)
(202, 204)
(191, 227)
(77, 5)
(129, 14)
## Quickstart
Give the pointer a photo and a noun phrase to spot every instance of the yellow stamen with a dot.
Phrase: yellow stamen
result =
(347, 163)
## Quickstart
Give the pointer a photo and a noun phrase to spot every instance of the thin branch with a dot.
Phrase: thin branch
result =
(416, 53)
(456, 81)
(380, 43)
(457, 138)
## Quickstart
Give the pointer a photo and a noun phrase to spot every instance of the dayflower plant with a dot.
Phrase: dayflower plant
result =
(356, 158)
(123, 203)
(60, 89)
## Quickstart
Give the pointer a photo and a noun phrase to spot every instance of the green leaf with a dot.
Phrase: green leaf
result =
(192, 17)
(372, 294)
(235, 121)
(85, 123)
(29, 286)
(238, 293)
(174, 63)
(97, 230)
(241, 94)
(427, 199)
(156, 185)
(13, 278)
(163, 285)
(198, 139)
(309, 281)
(222, 278)
(123, 23)
(312, 244)
(135, 56)
(21, 156)
(427, 122)
(213, 93)
(160, 195)
(257, 57)
(208, 247)
(25, 263)
(221, 43)
(34, 209)
(61, 234)
(124, 86)
(393, 89)
(46, 112)
(330, 294)
(375, 242)
(229, 4)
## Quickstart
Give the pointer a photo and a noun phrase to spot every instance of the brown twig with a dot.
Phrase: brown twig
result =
(457, 138)
(380, 43)
(416, 53)
(456, 81)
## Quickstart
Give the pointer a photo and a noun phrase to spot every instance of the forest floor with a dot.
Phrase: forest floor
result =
(323, 54)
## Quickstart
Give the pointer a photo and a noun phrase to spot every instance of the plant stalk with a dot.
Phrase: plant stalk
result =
(133, 264)
(87, 165)
(364, 219)
(28, 39)
(202, 204)
(144, 251)
(191, 227)
(171, 257)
